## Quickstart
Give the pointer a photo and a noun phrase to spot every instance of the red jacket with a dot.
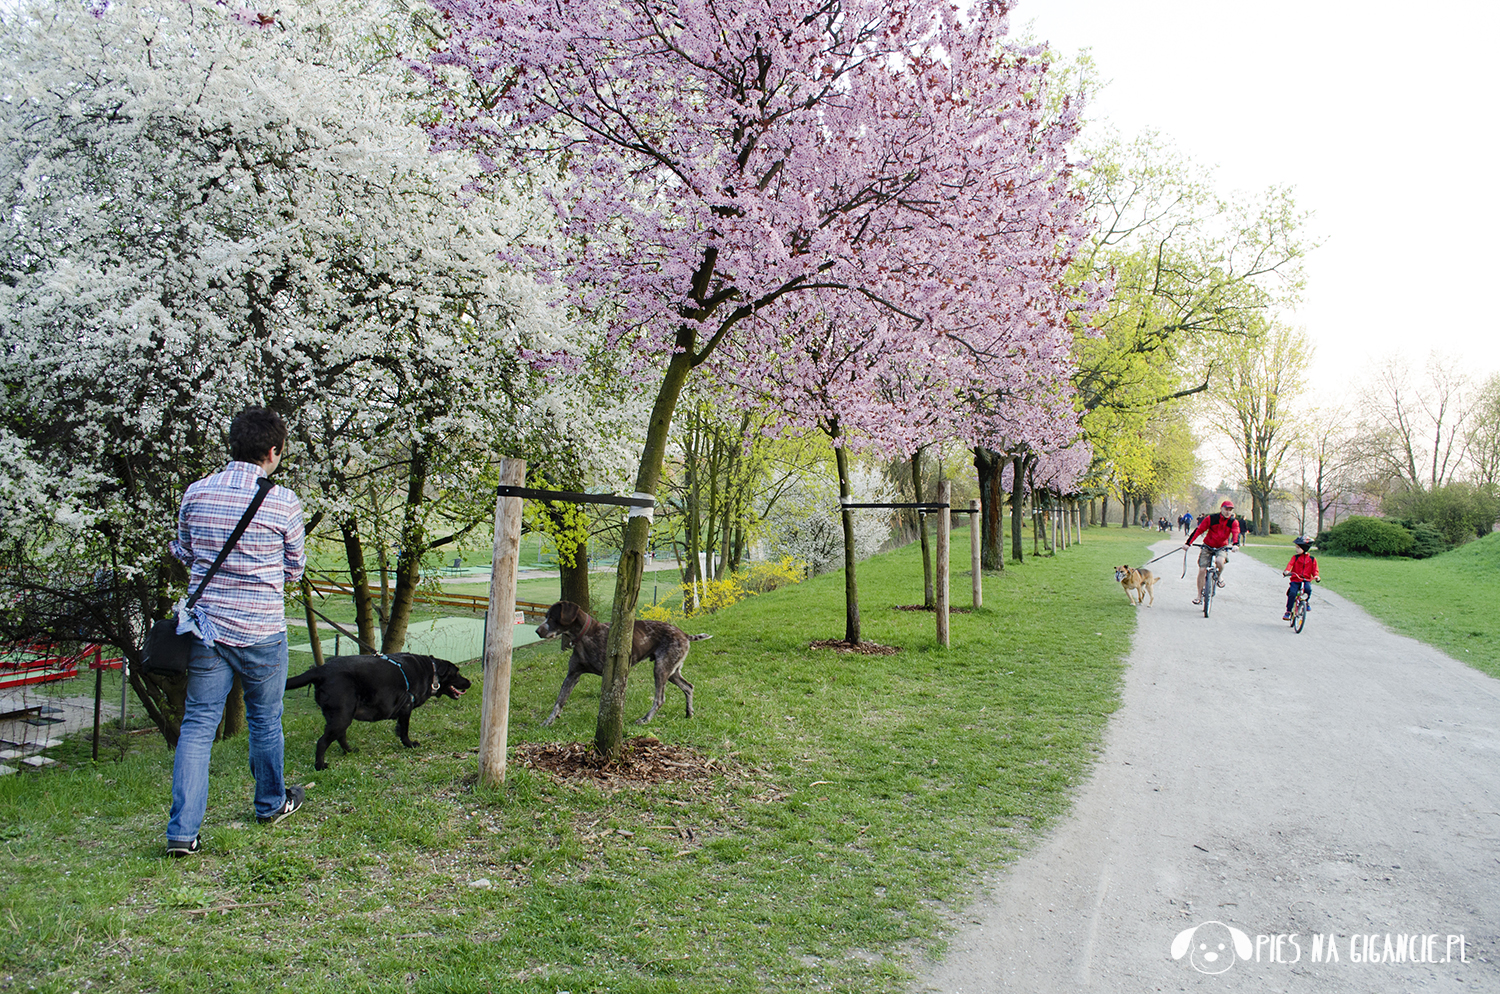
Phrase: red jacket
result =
(1221, 531)
(1302, 567)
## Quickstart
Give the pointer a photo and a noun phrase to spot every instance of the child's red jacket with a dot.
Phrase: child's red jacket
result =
(1302, 567)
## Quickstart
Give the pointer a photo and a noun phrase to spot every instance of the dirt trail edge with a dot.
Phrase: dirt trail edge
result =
(1284, 795)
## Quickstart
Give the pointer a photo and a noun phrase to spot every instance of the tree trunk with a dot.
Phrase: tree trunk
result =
(988, 465)
(726, 531)
(383, 558)
(739, 548)
(163, 700)
(314, 639)
(359, 579)
(708, 515)
(1036, 510)
(409, 557)
(574, 578)
(1017, 491)
(692, 524)
(851, 584)
(928, 597)
(609, 732)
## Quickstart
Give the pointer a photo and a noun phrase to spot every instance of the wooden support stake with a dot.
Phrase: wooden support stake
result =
(974, 553)
(945, 524)
(494, 721)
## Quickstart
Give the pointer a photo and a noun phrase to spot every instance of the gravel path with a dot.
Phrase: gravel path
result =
(1343, 783)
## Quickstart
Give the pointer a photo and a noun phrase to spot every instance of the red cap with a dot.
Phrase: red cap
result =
(1227, 503)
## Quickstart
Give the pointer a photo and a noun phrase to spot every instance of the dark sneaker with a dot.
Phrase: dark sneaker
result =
(1197, 600)
(293, 802)
(1287, 616)
(178, 849)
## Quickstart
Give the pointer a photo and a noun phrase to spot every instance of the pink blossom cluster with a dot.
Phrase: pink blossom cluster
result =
(859, 208)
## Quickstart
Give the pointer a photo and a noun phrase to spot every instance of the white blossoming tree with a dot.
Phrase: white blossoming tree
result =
(206, 207)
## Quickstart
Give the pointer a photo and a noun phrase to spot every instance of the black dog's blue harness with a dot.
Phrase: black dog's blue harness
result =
(411, 699)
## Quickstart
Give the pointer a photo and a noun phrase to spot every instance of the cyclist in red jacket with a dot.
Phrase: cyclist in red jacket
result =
(1220, 532)
(1303, 569)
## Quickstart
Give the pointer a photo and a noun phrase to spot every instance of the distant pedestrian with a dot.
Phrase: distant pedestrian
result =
(239, 624)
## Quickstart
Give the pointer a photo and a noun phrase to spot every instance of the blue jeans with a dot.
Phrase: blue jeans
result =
(211, 670)
(1296, 588)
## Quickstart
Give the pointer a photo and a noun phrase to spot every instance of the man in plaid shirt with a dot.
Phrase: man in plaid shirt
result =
(240, 623)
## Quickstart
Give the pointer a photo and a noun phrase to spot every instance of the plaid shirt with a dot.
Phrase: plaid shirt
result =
(243, 604)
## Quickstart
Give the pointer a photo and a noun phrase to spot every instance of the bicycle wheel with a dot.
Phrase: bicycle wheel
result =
(1299, 616)
(1210, 581)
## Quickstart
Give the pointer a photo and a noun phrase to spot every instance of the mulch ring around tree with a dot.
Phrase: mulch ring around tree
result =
(861, 648)
(643, 760)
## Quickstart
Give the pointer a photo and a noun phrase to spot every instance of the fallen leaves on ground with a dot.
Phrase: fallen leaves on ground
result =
(643, 760)
(861, 648)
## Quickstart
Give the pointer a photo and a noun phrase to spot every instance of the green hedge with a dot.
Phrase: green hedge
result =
(1371, 536)
(1426, 540)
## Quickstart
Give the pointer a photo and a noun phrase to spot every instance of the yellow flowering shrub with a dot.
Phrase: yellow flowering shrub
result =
(758, 578)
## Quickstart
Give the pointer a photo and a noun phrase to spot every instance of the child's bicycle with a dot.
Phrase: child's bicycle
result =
(1299, 610)
(1300, 607)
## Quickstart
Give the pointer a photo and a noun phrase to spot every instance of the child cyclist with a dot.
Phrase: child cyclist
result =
(1303, 569)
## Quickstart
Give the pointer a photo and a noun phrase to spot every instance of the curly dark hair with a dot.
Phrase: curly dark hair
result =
(254, 432)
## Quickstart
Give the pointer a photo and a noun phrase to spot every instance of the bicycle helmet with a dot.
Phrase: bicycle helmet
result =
(1302, 543)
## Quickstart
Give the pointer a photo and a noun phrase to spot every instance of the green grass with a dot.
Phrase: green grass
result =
(1448, 601)
(863, 799)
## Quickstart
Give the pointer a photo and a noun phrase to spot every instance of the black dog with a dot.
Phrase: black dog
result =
(376, 688)
(667, 645)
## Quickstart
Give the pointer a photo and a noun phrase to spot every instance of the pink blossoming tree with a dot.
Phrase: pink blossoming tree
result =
(722, 164)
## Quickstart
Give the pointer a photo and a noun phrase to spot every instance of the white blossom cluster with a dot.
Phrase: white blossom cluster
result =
(807, 522)
(207, 206)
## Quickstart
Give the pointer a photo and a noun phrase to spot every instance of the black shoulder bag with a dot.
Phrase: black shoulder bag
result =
(166, 652)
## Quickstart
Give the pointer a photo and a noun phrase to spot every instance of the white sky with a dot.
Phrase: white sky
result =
(1383, 118)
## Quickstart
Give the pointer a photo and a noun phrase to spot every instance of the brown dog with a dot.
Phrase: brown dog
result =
(1142, 581)
(667, 645)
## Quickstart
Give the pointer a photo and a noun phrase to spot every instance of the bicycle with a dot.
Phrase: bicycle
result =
(1299, 610)
(1210, 578)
